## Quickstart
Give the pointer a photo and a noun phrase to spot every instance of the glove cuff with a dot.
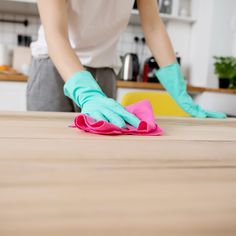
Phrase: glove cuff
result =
(167, 69)
(80, 85)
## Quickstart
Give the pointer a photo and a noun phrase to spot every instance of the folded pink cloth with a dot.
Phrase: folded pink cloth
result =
(142, 109)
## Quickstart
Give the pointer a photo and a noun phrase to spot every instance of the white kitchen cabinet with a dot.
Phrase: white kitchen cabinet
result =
(217, 102)
(12, 96)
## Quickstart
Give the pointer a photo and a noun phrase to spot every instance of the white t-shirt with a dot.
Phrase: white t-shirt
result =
(94, 30)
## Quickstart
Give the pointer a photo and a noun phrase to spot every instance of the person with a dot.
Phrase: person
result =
(75, 61)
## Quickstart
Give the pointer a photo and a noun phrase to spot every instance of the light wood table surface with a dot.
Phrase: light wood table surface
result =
(57, 181)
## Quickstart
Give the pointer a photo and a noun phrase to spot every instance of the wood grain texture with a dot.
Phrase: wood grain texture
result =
(13, 77)
(60, 181)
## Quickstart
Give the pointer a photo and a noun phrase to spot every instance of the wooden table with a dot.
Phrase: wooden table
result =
(57, 181)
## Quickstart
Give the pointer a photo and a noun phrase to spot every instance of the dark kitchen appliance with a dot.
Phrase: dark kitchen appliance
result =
(24, 40)
(150, 65)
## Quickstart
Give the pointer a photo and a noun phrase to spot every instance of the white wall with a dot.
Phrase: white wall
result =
(200, 42)
(180, 34)
(233, 26)
(222, 42)
(212, 35)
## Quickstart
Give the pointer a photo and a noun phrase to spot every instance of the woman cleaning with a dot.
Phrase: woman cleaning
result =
(75, 61)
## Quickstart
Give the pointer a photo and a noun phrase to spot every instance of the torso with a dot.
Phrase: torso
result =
(94, 30)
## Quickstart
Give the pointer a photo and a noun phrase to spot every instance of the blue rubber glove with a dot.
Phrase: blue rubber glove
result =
(86, 93)
(173, 81)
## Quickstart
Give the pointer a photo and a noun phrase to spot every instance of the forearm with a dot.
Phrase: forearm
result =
(155, 32)
(63, 56)
(54, 18)
(160, 45)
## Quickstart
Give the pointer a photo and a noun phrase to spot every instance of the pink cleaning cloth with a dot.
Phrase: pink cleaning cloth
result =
(142, 109)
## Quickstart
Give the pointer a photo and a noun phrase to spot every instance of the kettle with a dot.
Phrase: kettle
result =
(130, 68)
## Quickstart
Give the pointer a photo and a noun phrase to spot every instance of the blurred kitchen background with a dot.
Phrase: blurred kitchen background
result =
(199, 30)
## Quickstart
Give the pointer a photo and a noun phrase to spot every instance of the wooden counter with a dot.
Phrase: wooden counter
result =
(191, 89)
(131, 85)
(16, 77)
(58, 181)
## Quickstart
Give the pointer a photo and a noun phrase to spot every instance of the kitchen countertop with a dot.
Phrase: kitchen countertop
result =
(191, 89)
(131, 85)
(13, 77)
(60, 181)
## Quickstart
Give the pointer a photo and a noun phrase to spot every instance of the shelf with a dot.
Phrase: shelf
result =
(135, 19)
(24, 1)
(30, 7)
(22, 7)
